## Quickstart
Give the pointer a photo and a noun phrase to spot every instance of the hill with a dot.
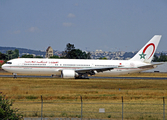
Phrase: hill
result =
(23, 51)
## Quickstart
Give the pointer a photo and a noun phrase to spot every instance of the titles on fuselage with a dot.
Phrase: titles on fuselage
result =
(42, 62)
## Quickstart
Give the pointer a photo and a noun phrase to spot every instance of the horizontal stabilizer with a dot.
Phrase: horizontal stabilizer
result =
(150, 66)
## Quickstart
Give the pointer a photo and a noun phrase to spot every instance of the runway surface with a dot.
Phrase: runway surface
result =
(92, 77)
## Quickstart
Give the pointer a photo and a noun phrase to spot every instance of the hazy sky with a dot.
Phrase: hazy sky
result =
(109, 25)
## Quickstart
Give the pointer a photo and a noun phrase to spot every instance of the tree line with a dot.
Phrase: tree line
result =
(70, 52)
(161, 58)
(10, 54)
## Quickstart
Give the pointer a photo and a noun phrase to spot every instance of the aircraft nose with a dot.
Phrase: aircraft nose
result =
(2, 66)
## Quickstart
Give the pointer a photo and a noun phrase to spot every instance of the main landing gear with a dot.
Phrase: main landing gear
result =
(82, 76)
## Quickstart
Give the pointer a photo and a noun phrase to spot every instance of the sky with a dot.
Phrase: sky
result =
(107, 25)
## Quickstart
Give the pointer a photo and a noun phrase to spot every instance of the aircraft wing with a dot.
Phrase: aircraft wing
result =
(92, 71)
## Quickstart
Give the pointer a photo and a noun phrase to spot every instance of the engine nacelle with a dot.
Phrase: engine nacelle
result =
(68, 74)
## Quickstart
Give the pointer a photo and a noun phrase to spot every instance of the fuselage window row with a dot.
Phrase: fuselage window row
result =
(75, 65)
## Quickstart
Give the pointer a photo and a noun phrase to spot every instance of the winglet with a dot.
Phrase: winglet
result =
(147, 52)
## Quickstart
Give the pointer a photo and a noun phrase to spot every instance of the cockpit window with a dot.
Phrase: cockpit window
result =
(8, 62)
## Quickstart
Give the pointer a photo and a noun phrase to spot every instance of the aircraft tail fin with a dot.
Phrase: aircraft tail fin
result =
(146, 54)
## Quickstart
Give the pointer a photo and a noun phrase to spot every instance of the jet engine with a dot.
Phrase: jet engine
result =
(68, 74)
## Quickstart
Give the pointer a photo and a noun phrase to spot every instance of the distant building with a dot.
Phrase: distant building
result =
(49, 52)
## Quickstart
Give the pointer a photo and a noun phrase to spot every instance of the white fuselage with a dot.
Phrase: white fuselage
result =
(53, 66)
(78, 68)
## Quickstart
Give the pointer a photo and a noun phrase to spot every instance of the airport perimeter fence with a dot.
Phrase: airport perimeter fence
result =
(117, 110)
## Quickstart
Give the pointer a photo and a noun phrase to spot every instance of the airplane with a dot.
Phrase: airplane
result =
(81, 68)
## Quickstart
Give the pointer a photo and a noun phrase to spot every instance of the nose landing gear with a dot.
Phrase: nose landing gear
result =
(15, 75)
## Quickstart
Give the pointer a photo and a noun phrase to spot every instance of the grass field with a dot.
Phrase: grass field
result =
(63, 96)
